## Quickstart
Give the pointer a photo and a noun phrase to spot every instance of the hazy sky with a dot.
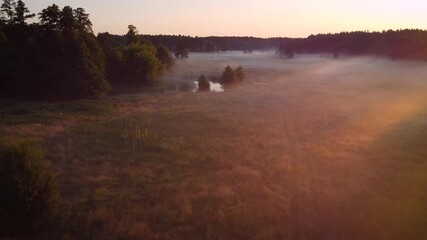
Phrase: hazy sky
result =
(263, 18)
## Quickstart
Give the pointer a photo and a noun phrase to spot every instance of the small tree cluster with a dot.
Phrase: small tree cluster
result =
(29, 195)
(230, 76)
(138, 63)
(181, 51)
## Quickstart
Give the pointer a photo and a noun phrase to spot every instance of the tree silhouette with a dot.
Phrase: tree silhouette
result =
(228, 76)
(7, 10)
(240, 75)
(203, 83)
(131, 35)
(50, 17)
(181, 50)
(21, 13)
(82, 20)
(57, 58)
(67, 21)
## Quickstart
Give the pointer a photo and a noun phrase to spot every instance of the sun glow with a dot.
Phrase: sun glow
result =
(248, 18)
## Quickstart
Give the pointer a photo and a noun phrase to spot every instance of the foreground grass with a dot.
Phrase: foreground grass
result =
(278, 158)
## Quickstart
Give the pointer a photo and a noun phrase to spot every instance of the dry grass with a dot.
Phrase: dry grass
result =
(309, 148)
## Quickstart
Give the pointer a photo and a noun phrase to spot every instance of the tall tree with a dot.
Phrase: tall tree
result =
(67, 21)
(82, 20)
(50, 17)
(7, 11)
(131, 35)
(21, 13)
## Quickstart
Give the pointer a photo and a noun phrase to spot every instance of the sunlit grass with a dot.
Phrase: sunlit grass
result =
(301, 150)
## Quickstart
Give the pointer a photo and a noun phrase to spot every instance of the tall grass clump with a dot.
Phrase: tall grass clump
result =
(29, 196)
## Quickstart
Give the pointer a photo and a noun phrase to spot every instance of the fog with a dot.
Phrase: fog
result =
(347, 135)
(373, 72)
(344, 93)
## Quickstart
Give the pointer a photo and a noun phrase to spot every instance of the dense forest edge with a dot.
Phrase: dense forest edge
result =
(60, 58)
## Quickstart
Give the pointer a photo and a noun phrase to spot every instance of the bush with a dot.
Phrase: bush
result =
(204, 85)
(230, 76)
(29, 195)
(240, 75)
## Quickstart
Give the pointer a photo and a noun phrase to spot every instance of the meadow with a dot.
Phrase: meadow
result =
(305, 148)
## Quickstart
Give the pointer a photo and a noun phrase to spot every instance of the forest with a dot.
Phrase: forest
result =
(60, 58)
(408, 44)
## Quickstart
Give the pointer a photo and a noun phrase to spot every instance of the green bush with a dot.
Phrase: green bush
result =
(204, 85)
(240, 74)
(230, 76)
(29, 195)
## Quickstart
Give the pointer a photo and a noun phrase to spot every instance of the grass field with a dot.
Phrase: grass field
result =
(307, 148)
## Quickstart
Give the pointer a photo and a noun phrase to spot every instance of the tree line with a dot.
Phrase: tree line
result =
(396, 44)
(59, 57)
(198, 44)
(400, 44)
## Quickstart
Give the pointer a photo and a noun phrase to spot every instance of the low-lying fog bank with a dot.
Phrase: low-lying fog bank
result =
(315, 67)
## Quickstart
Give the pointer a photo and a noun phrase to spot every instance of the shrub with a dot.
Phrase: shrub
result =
(228, 76)
(204, 85)
(29, 195)
(240, 75)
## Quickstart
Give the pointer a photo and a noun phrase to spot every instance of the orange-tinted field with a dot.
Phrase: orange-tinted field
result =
(306, 148)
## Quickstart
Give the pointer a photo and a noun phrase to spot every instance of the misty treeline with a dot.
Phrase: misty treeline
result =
(401, 44)
(198, 44)
(59, 57)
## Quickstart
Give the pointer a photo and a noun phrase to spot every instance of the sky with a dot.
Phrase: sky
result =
(259, 18)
